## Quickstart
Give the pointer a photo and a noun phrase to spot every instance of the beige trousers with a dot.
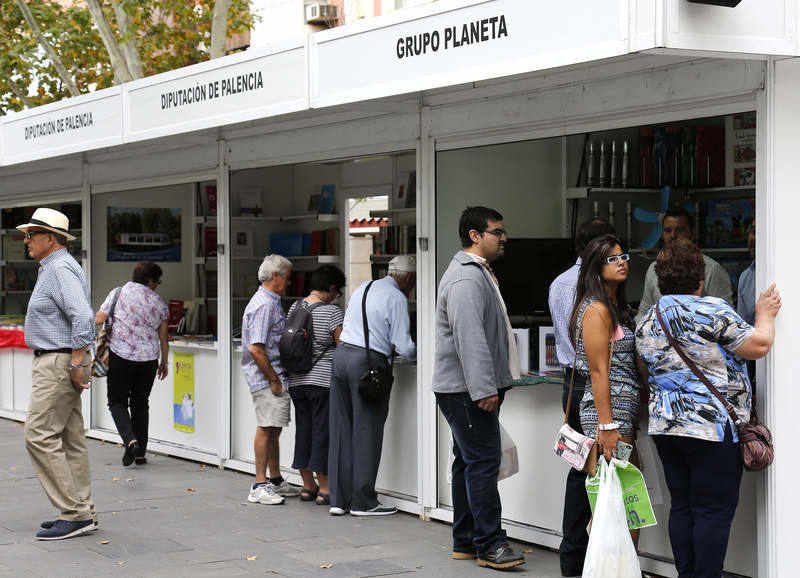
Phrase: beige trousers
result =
(55, 439)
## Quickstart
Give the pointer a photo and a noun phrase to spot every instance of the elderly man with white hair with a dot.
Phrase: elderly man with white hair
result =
(356, 421)
(262, 327)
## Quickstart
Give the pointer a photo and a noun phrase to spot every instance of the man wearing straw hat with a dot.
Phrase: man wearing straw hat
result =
(59, 327)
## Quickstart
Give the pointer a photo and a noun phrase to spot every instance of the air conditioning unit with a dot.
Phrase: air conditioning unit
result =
(321, 13)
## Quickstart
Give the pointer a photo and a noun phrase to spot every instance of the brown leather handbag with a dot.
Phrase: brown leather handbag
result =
(755, 440)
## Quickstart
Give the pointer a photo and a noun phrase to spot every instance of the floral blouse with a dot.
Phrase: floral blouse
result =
(137, 316)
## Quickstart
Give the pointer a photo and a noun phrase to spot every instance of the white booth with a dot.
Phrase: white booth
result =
(473, 102)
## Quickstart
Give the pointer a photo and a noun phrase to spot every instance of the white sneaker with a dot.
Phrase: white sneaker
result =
(285, 489)
(336, 511)
(264, 494)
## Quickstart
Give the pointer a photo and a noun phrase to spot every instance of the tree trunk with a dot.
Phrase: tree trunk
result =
(51, 53)
(219, 27)
(118, 63)
(129, 49)
(20, 94)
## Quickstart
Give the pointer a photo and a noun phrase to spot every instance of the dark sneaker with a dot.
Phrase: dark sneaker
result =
(47, 524)
(501, 558)
(130, 453)
(141, 461)
(64, 529)
(379, 510)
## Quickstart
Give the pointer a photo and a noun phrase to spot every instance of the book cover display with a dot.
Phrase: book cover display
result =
(143, 234)
(743, 142)
(725, 222)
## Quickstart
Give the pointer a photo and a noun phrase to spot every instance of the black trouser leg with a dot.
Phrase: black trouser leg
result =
(140, 401)
(577, 511)
(128, 390)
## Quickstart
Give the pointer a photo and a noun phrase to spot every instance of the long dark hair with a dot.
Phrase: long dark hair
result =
(591, 285)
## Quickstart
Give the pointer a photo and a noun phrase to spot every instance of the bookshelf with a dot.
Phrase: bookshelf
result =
(202, 315)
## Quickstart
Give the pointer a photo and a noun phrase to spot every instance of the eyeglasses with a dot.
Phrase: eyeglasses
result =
(30, 234)
(617, 258)
(497, 232)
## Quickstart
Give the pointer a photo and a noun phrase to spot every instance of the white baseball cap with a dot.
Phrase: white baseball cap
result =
(51, 220)
(403, 264)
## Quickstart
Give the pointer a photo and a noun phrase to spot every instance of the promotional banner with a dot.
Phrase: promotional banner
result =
(183, 394)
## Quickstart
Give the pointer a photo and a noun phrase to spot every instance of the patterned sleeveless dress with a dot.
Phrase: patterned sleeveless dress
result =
(623, 379)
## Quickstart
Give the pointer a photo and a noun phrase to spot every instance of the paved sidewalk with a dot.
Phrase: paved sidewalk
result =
(173, 517)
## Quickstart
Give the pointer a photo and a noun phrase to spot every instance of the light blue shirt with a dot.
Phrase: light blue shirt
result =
(59, 314)
(387, 317)
(263, 323)
(746, 305)
(561, 299)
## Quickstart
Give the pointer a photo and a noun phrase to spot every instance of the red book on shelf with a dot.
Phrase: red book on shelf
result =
(709, 158)
(175, 308)
(210, 242)
(316, 243)
(211, 195)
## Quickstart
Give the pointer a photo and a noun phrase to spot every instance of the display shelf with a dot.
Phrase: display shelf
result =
(585, 192)
(387, 213)
(332, 218)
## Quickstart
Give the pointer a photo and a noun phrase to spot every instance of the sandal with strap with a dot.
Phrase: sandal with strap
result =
(323, 499)
(309, 495)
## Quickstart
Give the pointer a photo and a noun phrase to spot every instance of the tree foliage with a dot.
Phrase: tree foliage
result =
(167, 34)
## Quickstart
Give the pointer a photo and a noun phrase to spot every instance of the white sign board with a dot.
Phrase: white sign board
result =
(254, 84)
(86, 122)
(487, 39)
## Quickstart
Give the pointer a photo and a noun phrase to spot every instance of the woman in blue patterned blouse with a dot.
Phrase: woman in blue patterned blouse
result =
(696, 442)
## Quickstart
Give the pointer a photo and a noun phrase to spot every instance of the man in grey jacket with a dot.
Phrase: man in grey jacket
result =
(476, 361)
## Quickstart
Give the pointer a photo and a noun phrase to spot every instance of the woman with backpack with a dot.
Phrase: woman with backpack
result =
(309, 381)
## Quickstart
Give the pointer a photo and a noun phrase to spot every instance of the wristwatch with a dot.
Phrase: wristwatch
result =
(73, 367)
(607, 426)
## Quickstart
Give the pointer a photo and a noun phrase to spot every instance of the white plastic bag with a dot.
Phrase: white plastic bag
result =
(610, 552)
(509, 460)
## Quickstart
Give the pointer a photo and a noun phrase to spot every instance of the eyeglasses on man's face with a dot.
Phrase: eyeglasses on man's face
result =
(497, 232)
(617, 259)
(29, 234)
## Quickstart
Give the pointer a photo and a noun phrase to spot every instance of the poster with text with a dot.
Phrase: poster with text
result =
(144, 234)
(183, 393)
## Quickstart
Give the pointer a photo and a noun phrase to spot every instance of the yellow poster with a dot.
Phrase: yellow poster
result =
(183, 395)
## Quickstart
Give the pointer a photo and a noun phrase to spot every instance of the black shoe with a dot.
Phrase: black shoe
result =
(571, 571)
(62, 529)
(141, 461)
(130, 453)
(501, 558)
(47, 524)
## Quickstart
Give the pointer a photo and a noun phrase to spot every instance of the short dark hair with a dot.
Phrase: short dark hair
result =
(326, 276)
(680, 268)
(680, 212)
(475, 218)
(589, 230)
(145, 272)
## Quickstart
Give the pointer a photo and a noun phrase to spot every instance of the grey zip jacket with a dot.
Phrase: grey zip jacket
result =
(471, 333)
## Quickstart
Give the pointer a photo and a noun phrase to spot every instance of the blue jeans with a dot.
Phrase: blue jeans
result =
(476, 446)
(703, 479)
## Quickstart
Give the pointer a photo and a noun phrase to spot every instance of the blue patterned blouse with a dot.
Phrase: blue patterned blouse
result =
(708, 330)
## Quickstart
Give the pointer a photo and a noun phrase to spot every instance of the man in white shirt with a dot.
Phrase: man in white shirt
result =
(356, 423)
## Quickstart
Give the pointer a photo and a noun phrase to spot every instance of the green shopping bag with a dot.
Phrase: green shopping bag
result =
(634, 493)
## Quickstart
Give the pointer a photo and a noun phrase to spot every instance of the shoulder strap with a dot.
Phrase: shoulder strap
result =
(575, 362)
(110, 319)
(364, 318)
(310, 309)
(696, 370)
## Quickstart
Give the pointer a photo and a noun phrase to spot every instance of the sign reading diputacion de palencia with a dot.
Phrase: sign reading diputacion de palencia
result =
(212, 89)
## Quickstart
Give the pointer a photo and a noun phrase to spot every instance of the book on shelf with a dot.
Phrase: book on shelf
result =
(286, 244)
(250, 202)
(211, 284)
(326, 204)
(396, 240)
(331, 236)
(210, 242)
(175, 308)
(242, 244)
(211, 199)
(315, 246)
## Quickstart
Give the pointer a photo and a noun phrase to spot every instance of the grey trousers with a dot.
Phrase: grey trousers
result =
(356, 432)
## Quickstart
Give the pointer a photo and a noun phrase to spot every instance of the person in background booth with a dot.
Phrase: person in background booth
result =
(602, 326)
(139, 331)
(475, 363)
(692, 431)
(746, 298)
(59, 330)
(356, 424)
(310, 391)
(678, 224)
(262, 327)
(561, 299)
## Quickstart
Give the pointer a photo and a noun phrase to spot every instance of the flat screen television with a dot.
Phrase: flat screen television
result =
(527, 269)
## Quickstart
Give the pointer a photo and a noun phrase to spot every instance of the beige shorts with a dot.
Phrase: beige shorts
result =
(272, 410)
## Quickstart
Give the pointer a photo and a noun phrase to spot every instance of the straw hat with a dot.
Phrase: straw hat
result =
(51, 220)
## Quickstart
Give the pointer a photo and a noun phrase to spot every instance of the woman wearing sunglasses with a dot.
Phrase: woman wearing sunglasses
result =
(605, 353)
(139, 331)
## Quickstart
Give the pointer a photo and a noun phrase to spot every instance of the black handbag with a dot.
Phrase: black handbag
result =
(376, 384)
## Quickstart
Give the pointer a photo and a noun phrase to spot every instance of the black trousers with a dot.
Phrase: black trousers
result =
(311, 418)
(356, 431)
(577, 511)
(129, 385)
